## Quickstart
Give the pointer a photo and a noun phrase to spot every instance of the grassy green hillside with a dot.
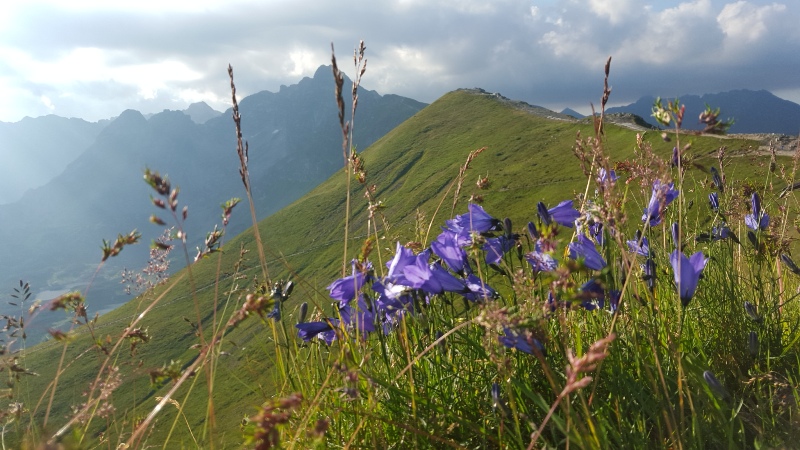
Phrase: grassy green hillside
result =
(528, 158)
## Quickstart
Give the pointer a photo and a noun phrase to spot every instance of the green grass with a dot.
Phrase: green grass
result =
(654, 368)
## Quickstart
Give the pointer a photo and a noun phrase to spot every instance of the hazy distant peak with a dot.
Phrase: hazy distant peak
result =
(169, 118)
(200, 112)
(323, 72)
(128, 121)
(130, 115)
(573, 113)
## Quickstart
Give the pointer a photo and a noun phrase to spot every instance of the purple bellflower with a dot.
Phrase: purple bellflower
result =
(649, 276)
(275, 314)
(533, 232)
(362, 319)
(541, 262)
(687, 273)
(402, 257)
(606, 176)
(563, 214)
(477, 289)
(790, 264)
(716, 387)
(522, 341)
(752, 313)
(432, 279)
(663, 195)
(758, 220)
(303, 312)
(584, 248)
(447, 247)
(596, 231)
(495, 248)
(344, 289)
(640, 247)
(674, 231)
(392, 300)
(713, 200)
(613, 299)
(544, 215)
(593, 295)
(476, 220)
(308, 330)
(716, 179)
(720, 232)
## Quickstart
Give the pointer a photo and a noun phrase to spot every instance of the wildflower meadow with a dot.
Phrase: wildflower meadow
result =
(653, 306)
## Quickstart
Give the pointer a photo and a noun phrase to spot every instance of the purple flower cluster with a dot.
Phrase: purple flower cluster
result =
(366, 302)
(414, 279)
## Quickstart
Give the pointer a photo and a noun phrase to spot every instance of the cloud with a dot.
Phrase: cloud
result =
(548, 52)
(47, 102)
(616, 11)
(743, 22)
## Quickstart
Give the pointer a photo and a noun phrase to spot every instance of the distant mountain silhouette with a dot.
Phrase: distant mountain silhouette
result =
(294, 144)
(201, 113)
(573, 113)
(752, 111)
(37, 149)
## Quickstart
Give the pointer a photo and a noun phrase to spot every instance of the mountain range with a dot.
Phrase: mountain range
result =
(752, 111)
(40, 148)
(53, 233)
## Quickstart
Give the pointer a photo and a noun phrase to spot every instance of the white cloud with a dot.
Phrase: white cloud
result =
(616, 11)
(743, 22)
(303, 62)
(47, 102)
(463, 6)
(404, 67)
(675, 35)
(213, 99)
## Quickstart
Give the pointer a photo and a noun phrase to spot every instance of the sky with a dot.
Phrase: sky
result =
(95, 58)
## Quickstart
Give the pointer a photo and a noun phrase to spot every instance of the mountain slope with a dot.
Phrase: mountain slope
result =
(526, 160)
(36, 150)
(753, 111)
(51, 236)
